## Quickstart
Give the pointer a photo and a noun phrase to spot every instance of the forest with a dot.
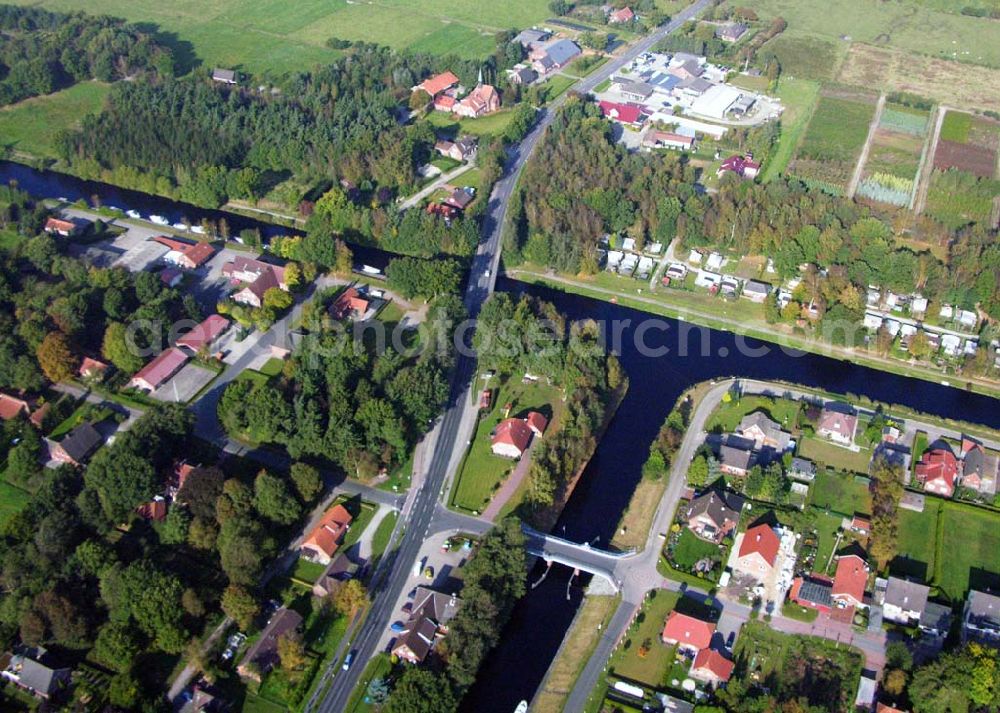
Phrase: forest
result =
(44, 51)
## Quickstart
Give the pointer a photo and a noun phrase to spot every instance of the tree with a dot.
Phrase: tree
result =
(422, 691)
(698, 472)
(124, 691)
(201, 491)
(344, 260)
(887, 490)
(351, 598)
(291, 652)
(307, 481)
(122, 478)
(273, 500)
(117, 349)
(56, 358)
(559, 7)
(117, 646)
(293, 275)
(277, 299)
(240, 605)
(174, 529)
(895, 682)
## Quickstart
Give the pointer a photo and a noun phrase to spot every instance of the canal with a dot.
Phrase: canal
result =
(514, 670)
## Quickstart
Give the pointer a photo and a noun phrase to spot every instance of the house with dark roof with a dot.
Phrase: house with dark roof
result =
(742, 166)
(553, 55)
(935, 619)
(428, 622)
(981, 618)
(531, 37)
(731, 32)
(904, 601)
(461, 149)
(714, 515)
(459, 199)
(813, 591)
(764, 432)
(802, 469)
(979, 470)
(522, 75)
(76, 446)
(756, 291)
(28, 669)
(340, 570)
(735, 460)
(256, 276)
(263, 655)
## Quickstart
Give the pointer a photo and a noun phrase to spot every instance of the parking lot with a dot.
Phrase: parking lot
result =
(185, 384)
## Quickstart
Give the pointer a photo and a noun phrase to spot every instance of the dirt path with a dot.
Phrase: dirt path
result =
(510, 485)
(928, 168)
(859, 168)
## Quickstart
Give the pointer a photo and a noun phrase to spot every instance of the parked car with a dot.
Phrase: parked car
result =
(407, 608)
(398, 627)
(429, 573)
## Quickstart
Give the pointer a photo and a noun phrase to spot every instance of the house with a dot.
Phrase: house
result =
(636, 91)
(735, 460)
(981, 618)
(742, 166)
(553, 55)
(61, 227)
(161, 368)
(462, 149)
(91, 368)
(522, 75)
(756, 291)
(320, 544)
(690, 635)
(171, 276)
(714, 515)
(904, 601)
(195, 255)
(837, 423)
(802, 469)
(537, 423)
(445, 101)
(27, 669)
(758, 552)
(340, 570)
(263, 655)
(203, 700)
(155, 509)
(77, 445)
(483, 100)
(850, 581)
(731, 32)
(619, 17)
(711, 667)
(918, 306)
(203, 335)
(814, 591)
(764, 432)
(459, 199)
(686, 68)
(511, 438)
(861, 524)
(258, 277)
(623, 113)
(895, 455)
(937, 470)
(427, 624)
(657, 139)
(437, 84)
(529, 39)
(12, 407)
(349, 303)
(224, 76)
(935, 619)
(979, 471)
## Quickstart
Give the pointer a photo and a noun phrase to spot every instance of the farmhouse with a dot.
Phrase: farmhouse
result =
(743, 166)
(257, 276)
(714, 515)
(462, 149)
(165, 365)
(657, 139)
(77, 446)
(529, 39)
(758, 552)
(204, 334)
(482, 100)
(263, 655)
(981, 618)
(437, 84)
(764, 432)
(320, 544)
(937, 470)
(511, 438)
(553, 55)
(711, 667)
(689, 634)
(838, 423)
(427, 624)
(904, 601)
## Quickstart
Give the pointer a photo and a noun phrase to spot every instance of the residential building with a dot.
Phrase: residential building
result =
(837, 423)
(935, 619)
(758, 552)
(764, 432)
(537, 423)
(511, 438)
(257, 278)
(12, 407)
(657, 139)
(802, 469)
(904, 601)
(155, 509)
(714, 515)
(742, 166)
(263, 655)
(979, 471)
(884, 708)
(77, 445)
(204, 334)
(185, 254)
(437, 84)
(981, 618)
(321, 544)
(529, 39)
(162, 367)
(27, 668)
(459, 199)
(427, 624)
(522, 75)
(461, 149)
(340, 570)
(850, 581)
(689, 634)
(618, 17)
(553, 55)
(731, 32)
(61, 227)
(711, 667)
(756, 291)
(224, 76)
(483, 100)
(937, 470)
(636, 91)
(92, 368)
(734, 460)
(623, 113)
(349, 303)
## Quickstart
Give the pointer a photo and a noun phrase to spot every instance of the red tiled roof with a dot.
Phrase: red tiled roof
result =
(161, 368)
(172, 243)
(763, 540)
(688, 631)
(623, 15)
(205, 333)
(198, 253)
(626, 113)
(58, 224)
(330, 531)
(536, 422)
(155, 510)
(513, 431)
(713, 661)
(883, 708)
(438, 83)
(11, 407)
(88, 366)
(37, 417)
(851, 578)
(861, 523)
(739, 164)
(938, 464)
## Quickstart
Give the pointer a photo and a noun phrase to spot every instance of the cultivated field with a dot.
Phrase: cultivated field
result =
(31, 126)
(947, 82)
(806, 57)
(908, 25)
(834, 138)
(890, 173)
(277, 36)
(963, 187)
(968, 143)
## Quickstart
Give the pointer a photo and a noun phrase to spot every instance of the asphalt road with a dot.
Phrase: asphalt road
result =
(482, 281)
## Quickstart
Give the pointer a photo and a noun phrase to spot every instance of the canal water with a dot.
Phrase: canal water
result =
(514, 670)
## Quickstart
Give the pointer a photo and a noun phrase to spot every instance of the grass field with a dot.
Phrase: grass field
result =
(905, 25)
(839, 492)
(690, 548)
(12, 501)
(804, 57)
(31, 126)
(916, 554)
(307, 571)
(490, 125)
(824, 452)
(799, 98)
(279, 37)
(833, 140)
(652, 668)
(380, 538)
(728, 415)
(968, 550)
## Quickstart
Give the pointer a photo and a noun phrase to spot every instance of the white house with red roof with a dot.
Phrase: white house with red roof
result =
(711, 667)
(937, 470)
(511, 438)
(850, 581)
(203, 335)
(837, 423)
(483, 100)
(758, 552)
(689, 634)
(621, 16)
(623, 112)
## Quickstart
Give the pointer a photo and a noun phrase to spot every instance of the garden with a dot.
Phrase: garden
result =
(894, 156)
(643, 656)
(833, 139)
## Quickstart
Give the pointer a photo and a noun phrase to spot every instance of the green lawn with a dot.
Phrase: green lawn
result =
(916, 551)
(391, 313)
(380, 538)
(12, 501)
(272, 367)
(85, 412)
(838, 129)
(362, 514)
(827, 453)
(969, 550)
(690, 548)
(652, 668)
(307, 571)
(840, 493)
(798, 97)
(490, 125)
(31, 126)
(556, 86)
(728, 415)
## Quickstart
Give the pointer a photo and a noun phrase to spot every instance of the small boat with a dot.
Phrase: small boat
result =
(63, 199)
(197, 230)
(522, 707)
(159, 220)
(133, 214)
(369, 270)
(180, 226)
(113, 208)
